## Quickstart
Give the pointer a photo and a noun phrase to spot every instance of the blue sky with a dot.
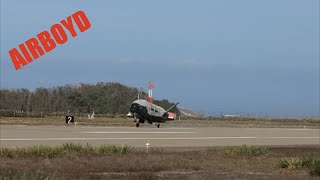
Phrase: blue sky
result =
(213, 56)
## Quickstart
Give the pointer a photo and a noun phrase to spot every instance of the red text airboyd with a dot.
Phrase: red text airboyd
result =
(46, 41)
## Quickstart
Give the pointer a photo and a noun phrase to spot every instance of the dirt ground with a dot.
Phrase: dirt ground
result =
(165, 163)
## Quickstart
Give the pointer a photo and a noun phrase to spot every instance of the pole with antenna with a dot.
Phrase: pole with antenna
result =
(151, 87)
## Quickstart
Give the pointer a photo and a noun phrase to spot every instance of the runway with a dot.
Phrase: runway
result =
(17, 136)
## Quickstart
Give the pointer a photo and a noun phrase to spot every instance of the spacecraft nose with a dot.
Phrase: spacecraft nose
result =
(134, 108)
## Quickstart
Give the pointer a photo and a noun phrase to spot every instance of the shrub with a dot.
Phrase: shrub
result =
(314, 170)
(312, 164)
(293, 163)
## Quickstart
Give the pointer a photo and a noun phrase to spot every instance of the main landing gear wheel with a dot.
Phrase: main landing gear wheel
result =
(137, 124)
(158, 125)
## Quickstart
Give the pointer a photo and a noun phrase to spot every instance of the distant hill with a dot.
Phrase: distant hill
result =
(184, 112)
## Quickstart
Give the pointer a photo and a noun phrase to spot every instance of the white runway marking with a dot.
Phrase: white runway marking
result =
(301, 129)
(133, 132)
(183, 138)
(132, 127)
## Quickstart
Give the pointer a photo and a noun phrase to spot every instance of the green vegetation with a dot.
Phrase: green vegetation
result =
(103, 98)
(314, 170)
(312, 164)
(245, 150)
(113, 149)
(55, 151)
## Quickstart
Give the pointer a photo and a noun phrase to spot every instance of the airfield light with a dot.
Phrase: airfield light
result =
(147, 147)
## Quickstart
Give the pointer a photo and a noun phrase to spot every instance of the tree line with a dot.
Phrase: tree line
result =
(102, 98)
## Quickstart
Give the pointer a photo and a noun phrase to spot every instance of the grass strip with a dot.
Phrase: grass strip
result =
(245, 150)
(55, 151)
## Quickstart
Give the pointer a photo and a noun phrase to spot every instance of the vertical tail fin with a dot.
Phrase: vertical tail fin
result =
(173, 106)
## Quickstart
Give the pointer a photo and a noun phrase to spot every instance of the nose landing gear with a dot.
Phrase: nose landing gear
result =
(158, 125)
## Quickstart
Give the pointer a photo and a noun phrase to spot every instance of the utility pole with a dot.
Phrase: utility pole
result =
(28, 105)
(266, 118)
(319, 131)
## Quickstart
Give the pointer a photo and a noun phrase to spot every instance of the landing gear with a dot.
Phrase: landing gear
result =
(158, 125)
(137, 124)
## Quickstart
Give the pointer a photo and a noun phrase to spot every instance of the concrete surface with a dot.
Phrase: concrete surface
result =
(18, 135)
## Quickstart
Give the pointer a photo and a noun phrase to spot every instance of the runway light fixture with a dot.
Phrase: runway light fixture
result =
(147, 147)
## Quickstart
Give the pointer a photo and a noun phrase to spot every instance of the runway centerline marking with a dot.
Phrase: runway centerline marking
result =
(116, 127)
(133, 132)
(301, 129)
(182, 138)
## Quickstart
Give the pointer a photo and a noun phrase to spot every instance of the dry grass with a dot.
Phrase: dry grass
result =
(58, 151)
(25, 176)
(159, 163)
